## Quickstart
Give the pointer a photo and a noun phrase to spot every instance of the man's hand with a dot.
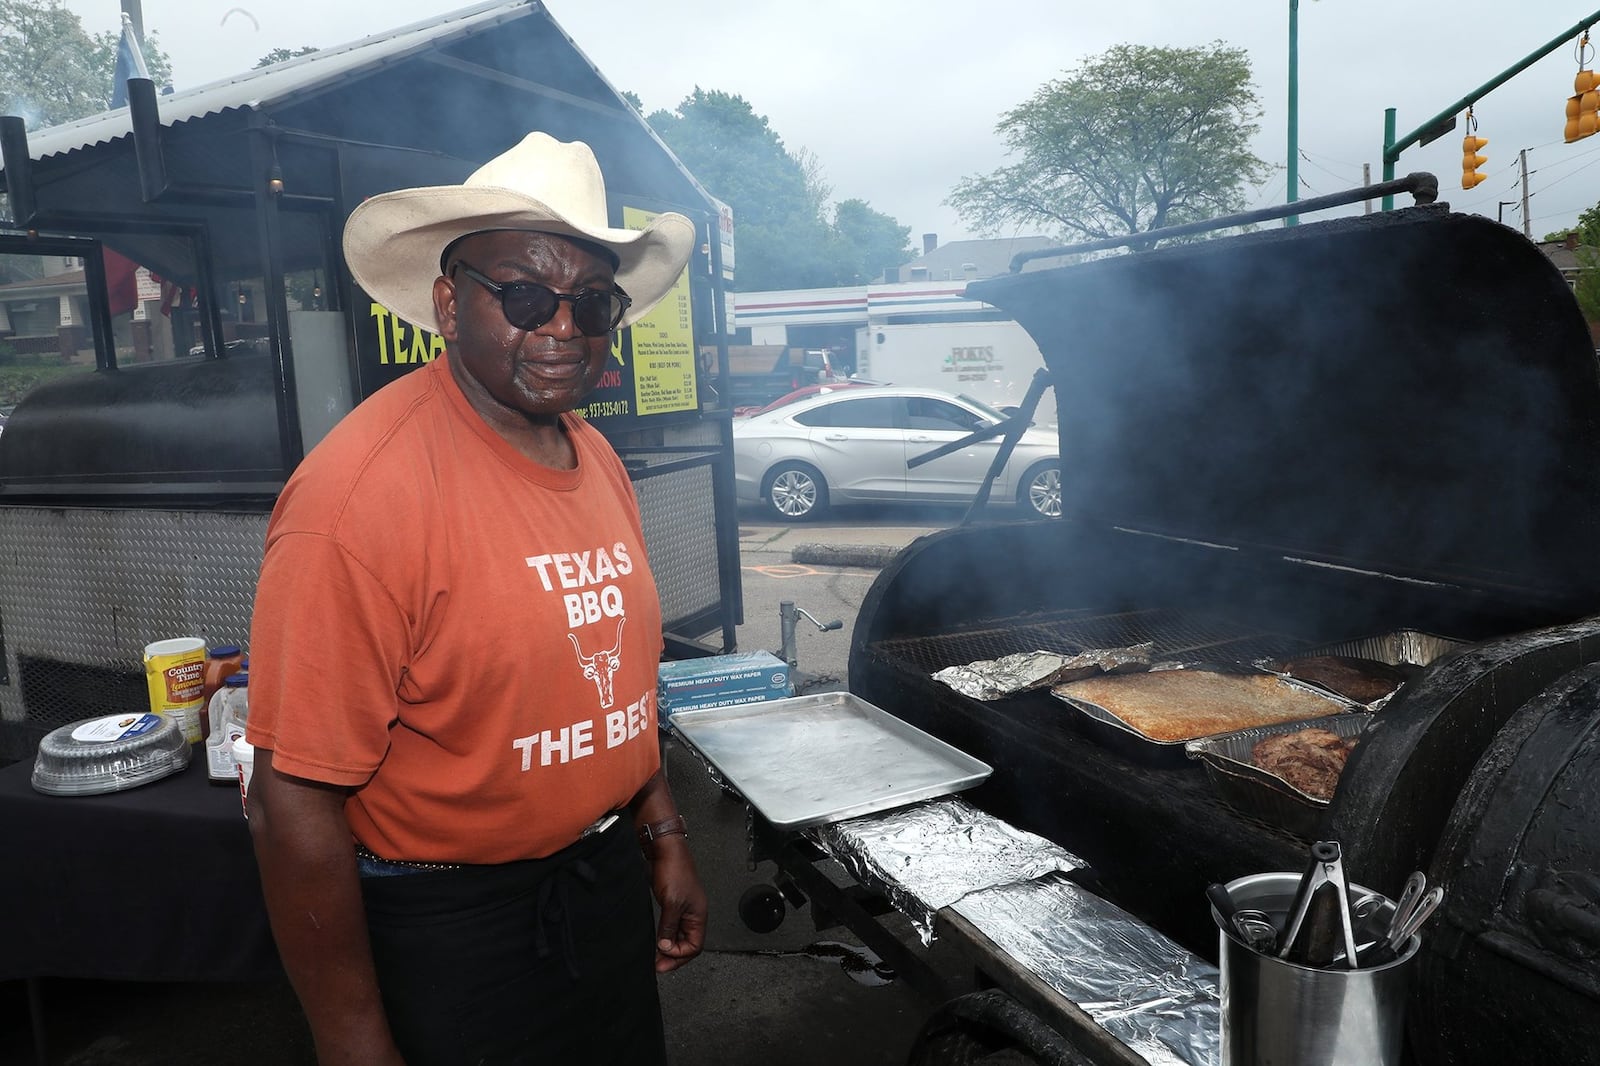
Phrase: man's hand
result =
(681, 932)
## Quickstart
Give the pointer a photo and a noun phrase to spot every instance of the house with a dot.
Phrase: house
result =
(964, 260)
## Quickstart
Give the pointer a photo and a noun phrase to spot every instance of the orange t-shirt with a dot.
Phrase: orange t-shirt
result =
(467, 638)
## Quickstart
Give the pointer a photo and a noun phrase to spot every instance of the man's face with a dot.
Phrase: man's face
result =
(535, 373)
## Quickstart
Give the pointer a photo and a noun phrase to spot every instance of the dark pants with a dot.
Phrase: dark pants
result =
(549, 961)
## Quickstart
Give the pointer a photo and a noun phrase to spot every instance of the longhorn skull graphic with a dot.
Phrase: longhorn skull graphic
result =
(602, 666)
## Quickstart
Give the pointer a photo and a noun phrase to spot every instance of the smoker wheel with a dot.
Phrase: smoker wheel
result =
(990, 1028)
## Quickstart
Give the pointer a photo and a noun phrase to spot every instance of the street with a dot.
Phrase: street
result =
(793, 997)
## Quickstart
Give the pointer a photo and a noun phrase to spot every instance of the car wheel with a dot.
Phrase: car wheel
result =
(795, 492)
(1040, 492)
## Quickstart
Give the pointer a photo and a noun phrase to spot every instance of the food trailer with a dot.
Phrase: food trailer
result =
(184, 330)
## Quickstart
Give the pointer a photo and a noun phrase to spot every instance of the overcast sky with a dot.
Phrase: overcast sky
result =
(899, 99)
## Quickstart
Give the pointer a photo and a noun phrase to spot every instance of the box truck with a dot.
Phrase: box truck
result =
(989, 361)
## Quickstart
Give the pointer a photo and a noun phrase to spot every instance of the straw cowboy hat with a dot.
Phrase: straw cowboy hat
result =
(393, 242)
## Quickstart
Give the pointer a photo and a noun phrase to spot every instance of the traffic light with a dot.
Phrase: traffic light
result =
(1583, 107)
(1471, 144)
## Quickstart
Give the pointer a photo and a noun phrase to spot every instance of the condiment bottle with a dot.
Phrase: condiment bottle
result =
(230, 711)
(221, 662)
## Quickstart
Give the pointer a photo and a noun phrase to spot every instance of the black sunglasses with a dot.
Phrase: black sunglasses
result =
(529, 305)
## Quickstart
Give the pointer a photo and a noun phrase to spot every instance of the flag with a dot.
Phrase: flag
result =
(122, 287)
(172, 295)
(130, 63)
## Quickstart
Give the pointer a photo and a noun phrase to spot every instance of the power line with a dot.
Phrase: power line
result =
(1550, 185)
(1306, 155)
(1337, 177)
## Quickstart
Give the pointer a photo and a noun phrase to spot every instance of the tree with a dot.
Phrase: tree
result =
(1587, 286)
(278, 55)
(52, 71)
(1132, 140)
(779, 198)
(870, 240)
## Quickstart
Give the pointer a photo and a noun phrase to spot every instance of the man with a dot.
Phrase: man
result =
(458, 806)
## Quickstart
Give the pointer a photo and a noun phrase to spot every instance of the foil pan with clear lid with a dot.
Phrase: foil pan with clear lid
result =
(112, 753)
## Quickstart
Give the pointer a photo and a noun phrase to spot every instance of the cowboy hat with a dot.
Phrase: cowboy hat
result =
(393, 241)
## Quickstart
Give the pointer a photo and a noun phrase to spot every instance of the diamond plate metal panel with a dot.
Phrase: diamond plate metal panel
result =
(83, 590)
(680, 534)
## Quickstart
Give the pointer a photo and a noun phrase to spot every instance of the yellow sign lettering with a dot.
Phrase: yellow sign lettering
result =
(381, 313)
(397, 329)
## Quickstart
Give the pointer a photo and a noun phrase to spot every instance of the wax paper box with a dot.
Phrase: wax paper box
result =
(723, 680)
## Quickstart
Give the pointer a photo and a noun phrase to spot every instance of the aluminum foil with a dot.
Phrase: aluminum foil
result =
(1139, 986)
(929, 855)
(990, 679)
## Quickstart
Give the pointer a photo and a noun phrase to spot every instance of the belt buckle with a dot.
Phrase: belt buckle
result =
(601, 824)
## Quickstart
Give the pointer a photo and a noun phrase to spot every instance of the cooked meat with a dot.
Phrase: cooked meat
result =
(1311, 760)
(1362, 680)
(1173, 705)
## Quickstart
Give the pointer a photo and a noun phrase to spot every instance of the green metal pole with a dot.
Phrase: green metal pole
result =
(1388, 156)
(1294, 107)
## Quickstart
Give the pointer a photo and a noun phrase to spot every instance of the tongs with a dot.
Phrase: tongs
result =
(1321, 908)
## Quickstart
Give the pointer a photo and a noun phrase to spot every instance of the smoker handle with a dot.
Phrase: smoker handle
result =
(1570, 914)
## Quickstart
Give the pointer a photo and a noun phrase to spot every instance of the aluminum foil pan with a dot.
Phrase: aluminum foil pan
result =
(1136, 984)
(926, 857)
(1110, 731)
(1406, 647)
(111, 753)
(990, 679)
(1258, 792)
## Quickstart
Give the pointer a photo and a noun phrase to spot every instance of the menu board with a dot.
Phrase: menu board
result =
(663, 344)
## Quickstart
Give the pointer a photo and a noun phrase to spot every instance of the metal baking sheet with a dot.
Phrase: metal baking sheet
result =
(1258, 792)
(810, 760)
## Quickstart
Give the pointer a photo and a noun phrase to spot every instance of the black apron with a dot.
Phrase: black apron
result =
(548, 961)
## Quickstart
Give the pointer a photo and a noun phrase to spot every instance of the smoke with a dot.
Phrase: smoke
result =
(1411, 394)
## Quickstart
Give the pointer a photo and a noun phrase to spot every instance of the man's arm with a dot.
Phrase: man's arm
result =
(681, 932)
(313, 894)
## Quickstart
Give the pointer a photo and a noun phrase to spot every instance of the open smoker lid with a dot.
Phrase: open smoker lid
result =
(1412, 392)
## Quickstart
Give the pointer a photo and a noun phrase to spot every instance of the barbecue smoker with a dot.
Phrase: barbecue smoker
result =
(1287, 441)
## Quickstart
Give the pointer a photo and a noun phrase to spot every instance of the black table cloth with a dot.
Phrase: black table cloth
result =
(157, 883)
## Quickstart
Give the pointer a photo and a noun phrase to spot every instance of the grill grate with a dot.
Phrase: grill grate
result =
(1179, 636)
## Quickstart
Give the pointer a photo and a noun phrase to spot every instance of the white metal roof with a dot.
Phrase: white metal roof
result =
(267, 85)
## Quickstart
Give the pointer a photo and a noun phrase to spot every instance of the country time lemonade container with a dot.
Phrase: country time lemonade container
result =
(174, 672)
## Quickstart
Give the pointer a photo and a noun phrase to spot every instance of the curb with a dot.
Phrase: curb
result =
(872, 556)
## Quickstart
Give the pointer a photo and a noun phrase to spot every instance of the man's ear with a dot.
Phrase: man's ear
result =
(444, 307)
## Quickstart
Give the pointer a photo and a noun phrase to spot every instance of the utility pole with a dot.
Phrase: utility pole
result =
(1366, 179)
(1527, 223)
(1294, 107)
(1500, 211)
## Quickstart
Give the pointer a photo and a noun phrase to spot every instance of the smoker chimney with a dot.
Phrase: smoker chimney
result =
(930, 241)
(1571, 243)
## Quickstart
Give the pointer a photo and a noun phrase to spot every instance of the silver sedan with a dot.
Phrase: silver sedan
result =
(855, 446)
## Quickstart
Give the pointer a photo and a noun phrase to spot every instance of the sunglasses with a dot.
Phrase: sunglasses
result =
(528, 305)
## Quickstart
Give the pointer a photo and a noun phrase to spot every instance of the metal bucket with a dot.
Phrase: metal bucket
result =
(1276, 1013)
